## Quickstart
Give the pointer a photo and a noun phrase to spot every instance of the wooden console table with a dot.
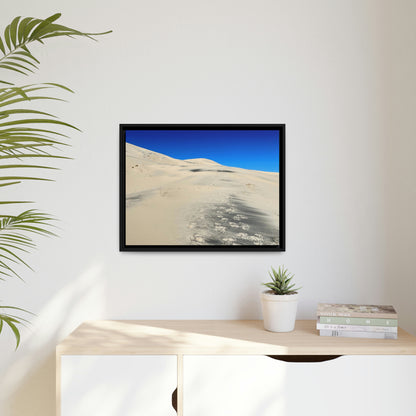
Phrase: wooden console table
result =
(190, 364)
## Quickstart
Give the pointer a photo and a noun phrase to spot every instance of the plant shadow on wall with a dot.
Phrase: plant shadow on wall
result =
(28, 138)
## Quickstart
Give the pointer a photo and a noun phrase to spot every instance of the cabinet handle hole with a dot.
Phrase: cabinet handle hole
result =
(175, 400)
(304, 358)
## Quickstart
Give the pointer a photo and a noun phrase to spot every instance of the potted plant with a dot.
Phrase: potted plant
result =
(280, 301)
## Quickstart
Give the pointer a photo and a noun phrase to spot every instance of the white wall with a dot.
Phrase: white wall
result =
(340, 74)
(399, 159)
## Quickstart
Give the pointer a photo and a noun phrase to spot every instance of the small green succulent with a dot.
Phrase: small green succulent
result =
(280, 284)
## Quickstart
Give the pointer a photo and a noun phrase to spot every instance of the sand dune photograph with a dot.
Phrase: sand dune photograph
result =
(206, 188)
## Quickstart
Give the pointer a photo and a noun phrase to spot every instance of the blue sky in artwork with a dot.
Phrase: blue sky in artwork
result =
(248, 149)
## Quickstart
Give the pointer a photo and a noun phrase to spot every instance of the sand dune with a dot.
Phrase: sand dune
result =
(197, 202)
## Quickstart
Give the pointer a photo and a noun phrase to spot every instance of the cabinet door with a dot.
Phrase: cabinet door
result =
(118, 385)
(259, 385)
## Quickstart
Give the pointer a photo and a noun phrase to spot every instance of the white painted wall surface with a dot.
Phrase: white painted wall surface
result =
(340, 74)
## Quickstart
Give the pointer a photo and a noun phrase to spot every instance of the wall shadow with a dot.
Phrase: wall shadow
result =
(35, 395)
(27, 384)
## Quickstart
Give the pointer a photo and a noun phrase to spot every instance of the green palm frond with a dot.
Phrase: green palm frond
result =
(12, 320)
(21, 138)
(28, 137)
(22, 31)
(16, 238)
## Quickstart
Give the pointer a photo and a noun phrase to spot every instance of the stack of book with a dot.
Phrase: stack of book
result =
(357, 321)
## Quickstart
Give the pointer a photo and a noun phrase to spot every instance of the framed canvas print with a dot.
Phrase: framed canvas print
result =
(202, 187)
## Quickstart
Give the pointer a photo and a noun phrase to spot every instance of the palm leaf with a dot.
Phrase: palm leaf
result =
(15, 236)
(26, 133)
(19, 138)
(12, 321)
(21, 32)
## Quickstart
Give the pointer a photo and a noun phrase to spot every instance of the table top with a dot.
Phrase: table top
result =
(236, 337)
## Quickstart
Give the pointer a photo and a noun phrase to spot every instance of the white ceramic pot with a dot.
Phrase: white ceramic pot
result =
(279, 311)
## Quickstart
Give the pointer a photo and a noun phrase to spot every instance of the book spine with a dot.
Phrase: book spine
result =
(357, 334)
(366, 328)
(376, 315)
(338, 320)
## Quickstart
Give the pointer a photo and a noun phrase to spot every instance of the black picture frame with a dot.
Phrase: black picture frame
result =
(131, 129)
